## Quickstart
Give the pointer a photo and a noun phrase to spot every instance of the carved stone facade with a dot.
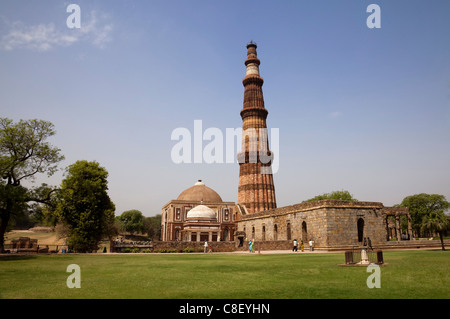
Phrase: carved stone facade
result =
(211, 218)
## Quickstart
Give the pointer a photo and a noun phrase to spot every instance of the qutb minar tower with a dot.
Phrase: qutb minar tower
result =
(256, 187)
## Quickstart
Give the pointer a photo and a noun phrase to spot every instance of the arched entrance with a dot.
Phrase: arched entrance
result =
(360, 230)
(304, 232)
(226, 235)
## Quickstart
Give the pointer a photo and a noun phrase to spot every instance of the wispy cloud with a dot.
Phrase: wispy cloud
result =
(97, 30)
(334, 115)
(44, 37)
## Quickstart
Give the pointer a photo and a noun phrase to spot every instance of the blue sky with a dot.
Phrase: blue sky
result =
(366, 110)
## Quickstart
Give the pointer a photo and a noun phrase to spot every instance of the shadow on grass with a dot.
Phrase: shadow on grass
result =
(9, 257)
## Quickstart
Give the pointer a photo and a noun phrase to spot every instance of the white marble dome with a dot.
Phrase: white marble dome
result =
(201, 212)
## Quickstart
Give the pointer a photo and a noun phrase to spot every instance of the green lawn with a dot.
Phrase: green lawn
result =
(409, 274)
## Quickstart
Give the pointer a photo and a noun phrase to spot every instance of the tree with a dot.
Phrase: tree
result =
(85, 207)
(422, 205)
(24, 152)
(336, 195)
(43, 209)
(436, 221)
(152, 226)
(13, 202)
(132, 221)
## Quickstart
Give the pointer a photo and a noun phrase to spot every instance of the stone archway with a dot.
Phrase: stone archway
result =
(360, 226)
(226, 234)
(304, 232)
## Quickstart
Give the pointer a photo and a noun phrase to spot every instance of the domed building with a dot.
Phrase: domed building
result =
(198, 214)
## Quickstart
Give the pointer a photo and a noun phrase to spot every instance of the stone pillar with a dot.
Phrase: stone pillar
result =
(397, 227)
(410, 232)
(198, 236)
(364, 257)
(387, 228)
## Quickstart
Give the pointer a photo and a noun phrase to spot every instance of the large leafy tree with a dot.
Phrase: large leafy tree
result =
(337, 195)
(85, 207)
(152, 226)
(24, 153)
(423, 206)
(132, 221)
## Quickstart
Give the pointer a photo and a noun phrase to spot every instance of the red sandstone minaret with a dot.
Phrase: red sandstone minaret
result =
(256, 188)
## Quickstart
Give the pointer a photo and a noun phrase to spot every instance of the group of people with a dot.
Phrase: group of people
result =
(302, 246)
(251, 246)
(207, 248)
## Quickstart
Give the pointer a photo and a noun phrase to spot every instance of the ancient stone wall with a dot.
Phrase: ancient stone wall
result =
(328, 223)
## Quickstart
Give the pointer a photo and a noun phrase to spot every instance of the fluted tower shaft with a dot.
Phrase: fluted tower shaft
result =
(256, 187)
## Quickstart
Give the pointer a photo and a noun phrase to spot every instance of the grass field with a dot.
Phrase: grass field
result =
(409, 274)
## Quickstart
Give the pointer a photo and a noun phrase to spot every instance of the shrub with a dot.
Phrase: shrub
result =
(164, 250)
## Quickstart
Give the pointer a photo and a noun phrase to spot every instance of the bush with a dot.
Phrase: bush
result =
(188, 250)
(164, 250)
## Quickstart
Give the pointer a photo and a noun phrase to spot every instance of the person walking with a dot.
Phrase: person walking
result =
(311, 245)
(205, 247)
(250, 246)
(295, 248)
(302, 246)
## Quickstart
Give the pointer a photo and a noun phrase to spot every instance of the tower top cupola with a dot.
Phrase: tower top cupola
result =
(252, 63)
